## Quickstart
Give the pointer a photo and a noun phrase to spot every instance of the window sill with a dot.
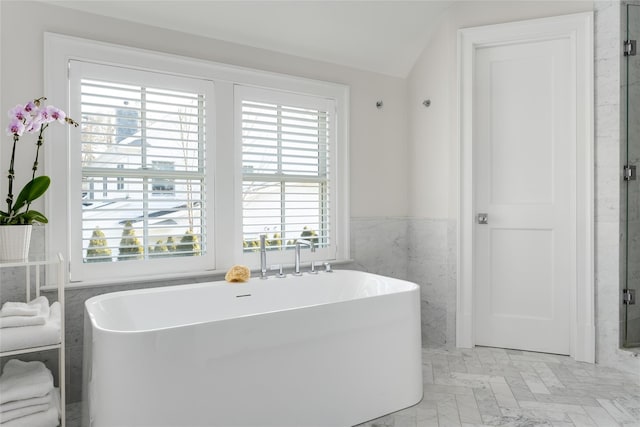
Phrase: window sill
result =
(145, 279)
(170, 277)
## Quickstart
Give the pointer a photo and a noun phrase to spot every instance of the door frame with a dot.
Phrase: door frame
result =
(578, 28)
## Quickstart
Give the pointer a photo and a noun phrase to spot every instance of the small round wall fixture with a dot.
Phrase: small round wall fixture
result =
(379, 104)
(426, 102)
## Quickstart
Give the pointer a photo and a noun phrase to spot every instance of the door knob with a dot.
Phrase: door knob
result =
(483, 218)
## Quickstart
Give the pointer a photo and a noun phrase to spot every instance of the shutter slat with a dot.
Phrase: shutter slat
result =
(280, 135)
(190, 110)
(268, 124)
(191, 139)
(319, 143)
(250, 148)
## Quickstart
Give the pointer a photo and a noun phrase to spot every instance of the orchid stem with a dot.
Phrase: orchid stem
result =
(38, 145)
(35, 163)
(11, 174)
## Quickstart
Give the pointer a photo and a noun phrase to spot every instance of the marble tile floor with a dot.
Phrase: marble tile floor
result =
(498, 387)
(511, 388)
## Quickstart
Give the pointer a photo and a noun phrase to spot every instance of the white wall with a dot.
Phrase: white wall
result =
(377, 137)
(433, 130)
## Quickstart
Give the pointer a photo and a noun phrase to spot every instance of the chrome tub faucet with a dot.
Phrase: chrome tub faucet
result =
(299, 243)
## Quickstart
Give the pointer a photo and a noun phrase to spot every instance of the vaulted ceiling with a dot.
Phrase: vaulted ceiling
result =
(379, 36)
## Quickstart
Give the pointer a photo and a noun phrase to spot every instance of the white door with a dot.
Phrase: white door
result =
(524, 180)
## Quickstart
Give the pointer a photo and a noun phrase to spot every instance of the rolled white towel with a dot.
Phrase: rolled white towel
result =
(31, 308)
(48, 418)
(24, 380)
(23, 403)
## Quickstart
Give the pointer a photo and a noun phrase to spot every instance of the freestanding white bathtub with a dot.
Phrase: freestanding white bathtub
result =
(330, 350)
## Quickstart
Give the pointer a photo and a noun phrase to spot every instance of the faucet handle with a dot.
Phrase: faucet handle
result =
(280, 274)
(327, 268)
(313, 268)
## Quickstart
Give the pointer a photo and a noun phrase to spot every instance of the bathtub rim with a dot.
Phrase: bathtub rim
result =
(411, 288)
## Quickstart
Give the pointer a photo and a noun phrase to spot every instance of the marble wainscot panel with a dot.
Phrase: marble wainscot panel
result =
(432, 267)
(420, 250)
(379, 245)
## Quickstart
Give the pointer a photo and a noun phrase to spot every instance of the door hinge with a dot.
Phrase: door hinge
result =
(629, 48)
(628, 296)
(629, 172)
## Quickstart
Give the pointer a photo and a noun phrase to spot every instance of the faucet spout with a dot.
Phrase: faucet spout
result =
(263, 256)
(299, 243)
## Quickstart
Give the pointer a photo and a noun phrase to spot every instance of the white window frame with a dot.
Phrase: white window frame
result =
(83, 271)
(225, 238)
(269, 96)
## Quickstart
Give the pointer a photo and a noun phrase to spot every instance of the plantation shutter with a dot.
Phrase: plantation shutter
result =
(143, 174)
(286, 163)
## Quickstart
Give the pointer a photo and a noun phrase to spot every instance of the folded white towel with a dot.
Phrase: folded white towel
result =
(31, 308)
(32, 336)
(11, 320)
(18, 321)
(24, 380)
(23, 403)
(22, 412)
(17, 309)
(48, 418)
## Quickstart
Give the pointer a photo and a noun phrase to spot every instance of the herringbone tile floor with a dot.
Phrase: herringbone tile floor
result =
(498, 387)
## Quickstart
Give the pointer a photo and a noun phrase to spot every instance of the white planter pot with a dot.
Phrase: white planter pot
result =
(14, 242)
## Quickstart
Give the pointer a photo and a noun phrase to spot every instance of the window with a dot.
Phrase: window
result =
(142, 156)
(287, 145)
(181, 164)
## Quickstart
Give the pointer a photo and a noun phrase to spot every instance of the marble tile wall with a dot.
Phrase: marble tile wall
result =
(379, 245)
(419, 250)
(610, 213)
(607, 172)
(432, 266)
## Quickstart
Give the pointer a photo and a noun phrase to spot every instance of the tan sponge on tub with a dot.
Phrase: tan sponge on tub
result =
(238, 273)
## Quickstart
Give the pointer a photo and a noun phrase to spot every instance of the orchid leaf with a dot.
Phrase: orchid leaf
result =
(34, 216)
(34, 189)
